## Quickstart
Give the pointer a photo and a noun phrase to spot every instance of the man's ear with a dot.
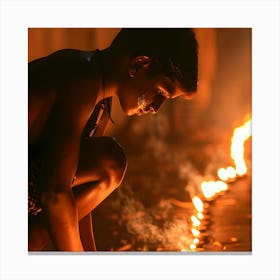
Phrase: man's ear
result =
(137, 64)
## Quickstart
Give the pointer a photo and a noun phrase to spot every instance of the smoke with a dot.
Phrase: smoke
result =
(188, 172)
(162, 226)
(153, 228)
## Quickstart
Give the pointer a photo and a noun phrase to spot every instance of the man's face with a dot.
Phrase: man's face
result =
(142, 94)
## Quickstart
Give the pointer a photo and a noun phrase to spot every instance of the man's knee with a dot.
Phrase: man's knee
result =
(105, 154)
(114, 161)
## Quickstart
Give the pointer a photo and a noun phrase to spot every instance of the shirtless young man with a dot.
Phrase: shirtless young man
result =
(72, 168)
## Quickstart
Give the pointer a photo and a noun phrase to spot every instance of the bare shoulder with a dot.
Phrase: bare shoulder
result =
(71, 75)
(62, 87)
(61, 67)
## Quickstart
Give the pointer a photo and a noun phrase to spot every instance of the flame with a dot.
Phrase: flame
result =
(195, 241)
(211, 188)
(198, 204)
(225, 174)
(222, 174)
(200, 216)
(240, 135)
(195, 232)
(196, 222)
(192, 246)
(231, 172)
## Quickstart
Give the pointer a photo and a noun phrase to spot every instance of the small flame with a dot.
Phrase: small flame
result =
(231, 172)
(211, 188)
(222, 174)
(195, 232)
(200, 215)
(195, 241)
(196, 222)
(192, 246)
(198, 204)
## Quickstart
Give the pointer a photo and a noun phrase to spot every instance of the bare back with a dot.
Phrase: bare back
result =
(63, 81)
(62, 94)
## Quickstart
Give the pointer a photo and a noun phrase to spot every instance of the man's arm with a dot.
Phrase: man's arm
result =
(61, 156)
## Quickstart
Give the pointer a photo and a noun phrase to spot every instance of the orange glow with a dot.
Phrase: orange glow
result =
(195, 232)
(231, 172)
(222, 174)
(200, 215)
(211, 188)
(192, 246)
(240, 135)
(208, 189)
(196, 222)
(226, 175)
(241, 169)
(221, 186)
(198, 204)
(195, 241)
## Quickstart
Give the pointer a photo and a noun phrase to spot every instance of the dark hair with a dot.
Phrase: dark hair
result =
(174, 50)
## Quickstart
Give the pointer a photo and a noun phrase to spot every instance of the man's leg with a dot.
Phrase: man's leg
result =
(101, 169)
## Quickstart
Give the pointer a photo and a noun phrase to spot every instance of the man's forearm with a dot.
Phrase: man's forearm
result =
(62, 220)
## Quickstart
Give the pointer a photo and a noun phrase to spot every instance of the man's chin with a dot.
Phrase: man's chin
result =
(135, 112)
(132, 113)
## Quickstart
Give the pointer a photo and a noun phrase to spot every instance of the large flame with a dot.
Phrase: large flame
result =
(240, 135)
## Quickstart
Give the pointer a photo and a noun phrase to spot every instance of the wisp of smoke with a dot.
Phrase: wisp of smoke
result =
(154, 226)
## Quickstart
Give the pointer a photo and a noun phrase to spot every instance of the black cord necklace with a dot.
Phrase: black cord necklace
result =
(99, 109)
(95, 118)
